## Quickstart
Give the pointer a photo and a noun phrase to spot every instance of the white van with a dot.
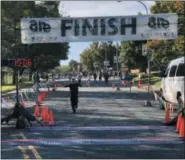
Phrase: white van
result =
(173, 80)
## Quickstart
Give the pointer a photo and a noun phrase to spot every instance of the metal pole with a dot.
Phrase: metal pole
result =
(17, 85)
(106, 56)
(148, 59)
(117, 59)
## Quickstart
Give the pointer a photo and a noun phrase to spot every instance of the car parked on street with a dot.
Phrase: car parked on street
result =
(173, 80)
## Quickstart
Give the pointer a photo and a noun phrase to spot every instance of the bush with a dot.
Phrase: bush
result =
(155, 74)
(143, 75)
(23, 79)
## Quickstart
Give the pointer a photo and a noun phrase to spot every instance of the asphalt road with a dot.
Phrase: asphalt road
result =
(108, 124)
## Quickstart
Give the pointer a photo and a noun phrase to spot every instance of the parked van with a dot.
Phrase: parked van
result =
(173, 80)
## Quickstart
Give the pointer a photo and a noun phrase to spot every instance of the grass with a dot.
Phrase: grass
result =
(158, 84)
(6, 88)
(156, 81)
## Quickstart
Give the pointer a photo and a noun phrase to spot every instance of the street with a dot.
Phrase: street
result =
(108, 124)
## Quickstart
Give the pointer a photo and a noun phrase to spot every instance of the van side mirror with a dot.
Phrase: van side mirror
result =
(162, 74)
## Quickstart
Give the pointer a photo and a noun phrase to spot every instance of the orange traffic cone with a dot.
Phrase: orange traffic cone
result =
(42, 96)
(36, 112)
(43, 112)
(39, 99)
(45, 117)
(51, 122)
(139, 84)
(167, 114)
(181, 133)
(179, 121)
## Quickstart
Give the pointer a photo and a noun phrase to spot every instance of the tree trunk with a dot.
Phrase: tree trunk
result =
(14, 77)
(21, 71)
(30, 75)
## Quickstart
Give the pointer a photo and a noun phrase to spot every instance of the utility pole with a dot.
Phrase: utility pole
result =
(148, 103)
(106, 56)
(117, 60)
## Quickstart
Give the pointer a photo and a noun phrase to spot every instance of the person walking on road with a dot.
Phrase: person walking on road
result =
(74, 94)
(95, 76)
(106, 77)
(100, 76)
(79, 77)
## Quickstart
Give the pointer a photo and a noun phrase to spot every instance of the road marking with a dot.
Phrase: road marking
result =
(100, 128)
(36, 154)
(34, 151)
(108, 141)
(24, 152)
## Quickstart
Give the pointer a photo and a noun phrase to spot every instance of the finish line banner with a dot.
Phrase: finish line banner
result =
(124, 28)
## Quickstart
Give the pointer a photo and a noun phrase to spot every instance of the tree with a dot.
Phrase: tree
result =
(94, 56)
(73, 65)
(131, 55)
(64, 68)
(44, 56)
(166, 50)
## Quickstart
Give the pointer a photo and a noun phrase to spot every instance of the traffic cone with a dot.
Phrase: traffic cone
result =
(42, 96)
(43, 113)
(167, 114)
(51, 122)
(47, 118)
(46, 114)
(36, 112)
(39, 99)
(139, 84)
(179, 121)
(181, 133)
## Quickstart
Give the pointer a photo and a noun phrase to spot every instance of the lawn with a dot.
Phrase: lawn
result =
(5, 88)
(153, 80)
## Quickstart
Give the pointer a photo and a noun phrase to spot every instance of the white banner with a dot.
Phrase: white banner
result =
(124, 28)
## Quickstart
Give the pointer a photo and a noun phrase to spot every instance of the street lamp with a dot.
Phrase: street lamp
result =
(148, 57)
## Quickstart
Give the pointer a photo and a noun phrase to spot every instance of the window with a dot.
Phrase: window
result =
(181, 70)
(166, 73)
(172, 71)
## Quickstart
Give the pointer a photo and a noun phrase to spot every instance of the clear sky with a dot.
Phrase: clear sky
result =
(97, 8)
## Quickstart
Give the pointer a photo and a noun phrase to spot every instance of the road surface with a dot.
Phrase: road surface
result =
(108, 124)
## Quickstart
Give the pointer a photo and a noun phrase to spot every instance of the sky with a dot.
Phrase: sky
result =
(97, 9)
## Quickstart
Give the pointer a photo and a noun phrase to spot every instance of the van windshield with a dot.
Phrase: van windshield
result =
(181, 70)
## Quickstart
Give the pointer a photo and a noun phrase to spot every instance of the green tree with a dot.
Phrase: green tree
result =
(94, 56)
(131, 55)
(73, 65)
(65, 68)
(44, 56)
(166, 50)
